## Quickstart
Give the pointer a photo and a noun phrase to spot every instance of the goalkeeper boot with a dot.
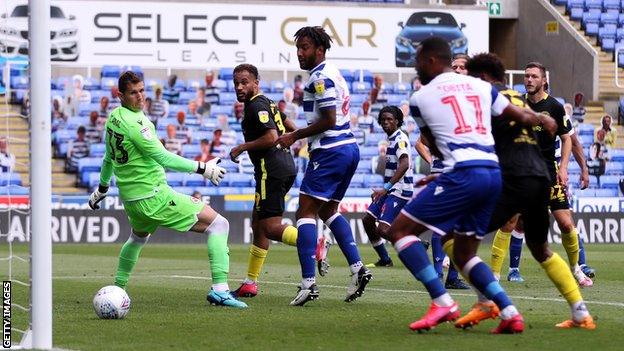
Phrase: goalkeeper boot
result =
(246, 290)
(514, 325)
(480, 311)
(436, 315)
(359, 281)
(224, 298)
(305, 295)
(322, 247)
(586, 323)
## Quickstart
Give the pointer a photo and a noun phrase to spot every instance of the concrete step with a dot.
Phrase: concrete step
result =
(68, 190)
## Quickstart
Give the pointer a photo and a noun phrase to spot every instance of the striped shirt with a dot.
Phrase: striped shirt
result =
(399, 145)
(174, 145)
(77, 149)
(327, 89)
(93, 134)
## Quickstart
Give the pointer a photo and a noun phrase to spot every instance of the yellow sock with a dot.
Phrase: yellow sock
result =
(289, 236)
(500, 246)
(560, 274)
(448, 248)
(256, 260)
(570, 243)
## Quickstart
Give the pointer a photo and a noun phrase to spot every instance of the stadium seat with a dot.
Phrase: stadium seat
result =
(608, 44)
(175, 179)
(190, 150)
(616, 155)
(358, 99)
(609, 181)
(10, 179)
(347, 75)
(593, 4)
(275, 96)
(184, 190)
(367, 76)
(611, 5)
(97, 150)
(591, 16)
(576, 14)
(609, 18)
(229, 166)
(89, 164)
(520, 88)
(222, 85)
(193, 85)
(278, 86)
(585, 193)
(194, 179)
(374, 138)
(374, 181)
(592, 29)
(561, 2)
(227, 98)
(238, 179)
(14, 190)
(361, 87)
(110, 71)
(226, 73)
(400, 87)
(614, 168)
(607, 31)
(207, 191)
(606, 192)
(585, 129)
(586, 140)
(91, 84)
(19, 82)
(75, 122)
(363, 167)
(358, 192)
(358, 180)
(107, 83)
(368, 152)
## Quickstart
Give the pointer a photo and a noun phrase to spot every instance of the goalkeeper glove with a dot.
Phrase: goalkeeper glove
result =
(211, 171)
(97, 196)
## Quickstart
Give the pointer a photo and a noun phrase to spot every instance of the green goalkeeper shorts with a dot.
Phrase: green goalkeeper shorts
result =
(167, 208)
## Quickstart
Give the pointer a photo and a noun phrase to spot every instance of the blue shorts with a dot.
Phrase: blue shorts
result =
(386, 209)
(329, 172)
(462, 201)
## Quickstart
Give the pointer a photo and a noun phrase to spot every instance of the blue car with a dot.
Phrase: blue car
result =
(422, 25)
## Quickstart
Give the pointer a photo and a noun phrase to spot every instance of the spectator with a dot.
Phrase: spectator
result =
(567, 107)
(301, 154)
(378, 163)
(377, 93)
(578, 110)
(358, 133)
(217, 148)
(606, 135)
(409, 124)
(596, 162)
(25, 107)
(239, 110)
(183, 131)
(147, 110)
(196, 194)
(416, 84)
(298, 90)
(170, 93)
(7, 159)
(291, 109)
(459, 64)
(203, 106)
(160, 107)
(76, 96)
(171, 142)
(104, 111)
(77, 149)
(114, 99)
(192, 111)
(204, 154)
(93, 131)
(59, 119)
(281, 107)
(228, 136)
(366, 121)
(211, 90)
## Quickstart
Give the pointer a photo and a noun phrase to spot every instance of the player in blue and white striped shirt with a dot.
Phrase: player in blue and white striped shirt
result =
(398, 184)
(334, 156)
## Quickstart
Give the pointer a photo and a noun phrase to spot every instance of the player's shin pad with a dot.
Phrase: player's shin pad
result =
(562, 277)
(500, 245)
(218, 251)
(570, 242)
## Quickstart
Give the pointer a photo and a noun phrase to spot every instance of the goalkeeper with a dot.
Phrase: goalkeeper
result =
(138, 160)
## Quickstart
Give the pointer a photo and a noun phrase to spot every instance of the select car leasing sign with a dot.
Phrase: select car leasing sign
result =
(174, 34)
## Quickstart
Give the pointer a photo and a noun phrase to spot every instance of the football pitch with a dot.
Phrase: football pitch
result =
(169, 309)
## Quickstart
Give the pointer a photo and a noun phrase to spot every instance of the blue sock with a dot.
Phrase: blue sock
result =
(515, 251)
(452, 273)
(414, 257)
(482, 278)
(581, 260)
(342, 232)
(306, 246)
(438, 254)
(382, 252)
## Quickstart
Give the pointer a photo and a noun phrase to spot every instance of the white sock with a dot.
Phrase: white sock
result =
(356, 267)
(579, 311)
(220, 287)
(379, 242)
(509, 312)
(249, 281)
(307, 282)
(444, 300)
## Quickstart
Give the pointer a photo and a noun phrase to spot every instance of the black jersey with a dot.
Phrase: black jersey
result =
(260, 115)
(550, 106)
(516, 146)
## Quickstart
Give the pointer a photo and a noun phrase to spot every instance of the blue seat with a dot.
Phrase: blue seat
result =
(19, 82)
(14, 190)
(10, 179)
(207, 190)
(358, 180)
(607, 31)
(400, 87)
(238, 179)
(591, 16)
(75, 122)
(193, 84)
(229, 166)
(278, 86)
(615, 168)
(363, 167)
(609, 18)
(592, 29)
(520, 88)
(374, 138)
(152, 83)
(110, 71)
(228, 190)
(560, 2)
(608, 44)
(361, 87)
(89, 164)
(368, 152)
(609, 181)
(91, 84)
(275, 96)
(576, 14)
(97, 150)
(184, 190)
(374, 181)
(619, 34)
(585, 129)
(190, 150)
(227, 98)
(606, 192)
(611, 5)
(347, 75)
(194, 180)
(175, 179)
(108, 82)
(593, 4)
(226, 73)
(616, 155)
(358, 99)
(586, 140)
(367, 76)
(585, 193)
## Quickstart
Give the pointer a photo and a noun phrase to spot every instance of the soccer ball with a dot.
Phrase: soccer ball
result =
(111, 302)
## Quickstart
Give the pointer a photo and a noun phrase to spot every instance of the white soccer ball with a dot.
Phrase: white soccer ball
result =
(111, 302)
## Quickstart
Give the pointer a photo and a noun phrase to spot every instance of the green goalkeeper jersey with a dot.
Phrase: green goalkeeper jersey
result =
(136, 157)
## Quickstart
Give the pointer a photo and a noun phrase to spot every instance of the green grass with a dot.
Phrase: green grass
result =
(171, 313)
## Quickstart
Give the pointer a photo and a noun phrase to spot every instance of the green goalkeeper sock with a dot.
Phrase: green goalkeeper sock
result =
(128, 257)
(218, 252)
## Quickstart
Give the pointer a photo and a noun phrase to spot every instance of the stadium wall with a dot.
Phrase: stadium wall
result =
(572, 62)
